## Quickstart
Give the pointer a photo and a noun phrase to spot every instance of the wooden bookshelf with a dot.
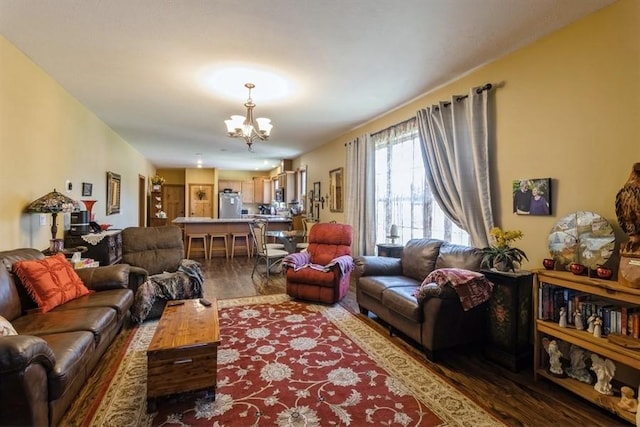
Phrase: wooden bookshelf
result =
(610, 290)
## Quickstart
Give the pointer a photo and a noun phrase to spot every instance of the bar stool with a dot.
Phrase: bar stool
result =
(212, 248)
(196, 237)
(246, 245)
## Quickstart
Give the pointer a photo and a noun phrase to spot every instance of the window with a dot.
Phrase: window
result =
(403, 196)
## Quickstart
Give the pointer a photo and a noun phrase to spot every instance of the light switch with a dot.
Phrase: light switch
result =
(43, 219)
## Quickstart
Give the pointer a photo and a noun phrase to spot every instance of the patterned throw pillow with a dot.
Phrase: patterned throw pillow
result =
(6, 328)
(51, 281)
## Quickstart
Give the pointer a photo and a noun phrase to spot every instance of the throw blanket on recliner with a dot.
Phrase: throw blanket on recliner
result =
(186, 283)
(301, 260)
(472, 287)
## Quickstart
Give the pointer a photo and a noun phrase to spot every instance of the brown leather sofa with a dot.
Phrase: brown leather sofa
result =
(385, 286)
(43, 368)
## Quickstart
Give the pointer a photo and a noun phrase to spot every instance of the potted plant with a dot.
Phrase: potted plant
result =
(157, 181)
(501, 255)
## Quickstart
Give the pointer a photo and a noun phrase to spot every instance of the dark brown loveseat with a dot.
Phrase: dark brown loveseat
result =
(385, 286)
(43, 368)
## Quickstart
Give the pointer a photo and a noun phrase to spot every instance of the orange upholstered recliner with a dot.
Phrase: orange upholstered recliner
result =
(321, 273)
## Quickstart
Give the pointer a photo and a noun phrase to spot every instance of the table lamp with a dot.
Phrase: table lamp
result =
(393, 234)
(53, 203)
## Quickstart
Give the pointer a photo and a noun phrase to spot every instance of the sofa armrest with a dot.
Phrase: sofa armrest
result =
(102, 278)
(25, 364)
(137, 276)
(17, 352)
(378, 266)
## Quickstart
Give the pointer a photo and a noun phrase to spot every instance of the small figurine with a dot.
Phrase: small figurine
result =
(627, 400)
(605, 370)
(555, 364)
(563, 318)
(590, 321)
(597, 327)
(578, 369)
(577, 320)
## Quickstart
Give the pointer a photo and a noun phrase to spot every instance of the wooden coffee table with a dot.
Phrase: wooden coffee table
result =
(183, 354)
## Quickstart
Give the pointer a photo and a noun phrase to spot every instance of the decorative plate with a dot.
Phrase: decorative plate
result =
(583, 237)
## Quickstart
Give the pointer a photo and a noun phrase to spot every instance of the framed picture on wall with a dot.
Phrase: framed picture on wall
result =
(532, 196)
(316, 191)
(87, 189)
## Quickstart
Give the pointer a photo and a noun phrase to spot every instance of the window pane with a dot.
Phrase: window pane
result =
(403, 196)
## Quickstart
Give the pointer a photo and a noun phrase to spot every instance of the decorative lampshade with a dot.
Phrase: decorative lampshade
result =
(53, 203)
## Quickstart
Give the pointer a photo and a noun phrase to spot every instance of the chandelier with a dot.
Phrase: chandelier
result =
(244, 127)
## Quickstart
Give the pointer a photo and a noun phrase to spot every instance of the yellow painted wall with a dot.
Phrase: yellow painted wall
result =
(566, 107)
(46, 138)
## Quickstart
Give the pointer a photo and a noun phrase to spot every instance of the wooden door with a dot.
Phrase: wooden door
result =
(173, 201)
(201, 200)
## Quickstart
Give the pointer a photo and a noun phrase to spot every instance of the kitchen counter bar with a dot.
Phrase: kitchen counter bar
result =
(193, 225)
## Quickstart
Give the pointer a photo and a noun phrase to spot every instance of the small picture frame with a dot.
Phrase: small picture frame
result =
(87, 189)
(316, 191)
(532, 196)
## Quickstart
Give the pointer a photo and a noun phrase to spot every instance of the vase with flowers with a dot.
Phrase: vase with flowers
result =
(157, 181)
(501, 255)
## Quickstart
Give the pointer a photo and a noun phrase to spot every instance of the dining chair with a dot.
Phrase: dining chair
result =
(306, 226)
(270, 256)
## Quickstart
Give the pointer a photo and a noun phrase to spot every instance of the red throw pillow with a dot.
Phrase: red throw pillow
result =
(51, 281)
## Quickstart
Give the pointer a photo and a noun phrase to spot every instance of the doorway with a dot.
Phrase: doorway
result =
(201, 200)
(142, 199)
(173, 196)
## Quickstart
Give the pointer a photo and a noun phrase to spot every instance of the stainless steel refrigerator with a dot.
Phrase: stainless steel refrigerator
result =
(230, 205)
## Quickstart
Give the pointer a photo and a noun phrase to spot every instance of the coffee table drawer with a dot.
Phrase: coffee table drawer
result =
(181, 371)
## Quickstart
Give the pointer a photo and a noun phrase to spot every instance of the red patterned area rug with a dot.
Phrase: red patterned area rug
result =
(287, 363)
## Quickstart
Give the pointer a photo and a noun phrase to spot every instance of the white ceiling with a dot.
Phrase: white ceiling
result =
(141, 65)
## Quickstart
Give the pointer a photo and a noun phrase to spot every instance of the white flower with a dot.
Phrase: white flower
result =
(249, 313)
(300, 416)
(396, 387)
(265, 349)
(303, 343)
(275, 372)
(294, 318)
(256, 333)
(227, 355)
(343, 377)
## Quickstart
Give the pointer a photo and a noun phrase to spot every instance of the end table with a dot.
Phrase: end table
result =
(390, 250)
(509, 340)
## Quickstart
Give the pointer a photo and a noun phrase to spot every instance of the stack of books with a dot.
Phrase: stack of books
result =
(85, 263)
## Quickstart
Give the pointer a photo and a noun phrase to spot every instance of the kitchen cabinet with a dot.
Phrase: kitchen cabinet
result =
(287, 181)
(547, 285)
(235, 186)
(262, 191)
(247, 189)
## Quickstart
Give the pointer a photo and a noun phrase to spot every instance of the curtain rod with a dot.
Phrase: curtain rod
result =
(481, 89)
(488, 86)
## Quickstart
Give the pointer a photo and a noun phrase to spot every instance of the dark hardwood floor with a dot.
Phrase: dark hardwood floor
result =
(512, 397)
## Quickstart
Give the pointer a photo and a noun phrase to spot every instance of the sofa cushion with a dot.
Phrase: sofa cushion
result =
(419, 257)
(401, 301)
(72, 351)
(459, 256)
(96, 320)
(374, 286)
(6, 328)
(51, 281)
(118, 299)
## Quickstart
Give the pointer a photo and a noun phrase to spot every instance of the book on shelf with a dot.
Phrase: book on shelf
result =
(617, 317)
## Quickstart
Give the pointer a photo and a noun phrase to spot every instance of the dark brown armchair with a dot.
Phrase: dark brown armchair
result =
(159, 271)
(322, 272)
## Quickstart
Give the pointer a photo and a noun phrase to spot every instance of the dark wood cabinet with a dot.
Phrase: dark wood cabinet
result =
(105, 247)
(509, 340)
(389, 250)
